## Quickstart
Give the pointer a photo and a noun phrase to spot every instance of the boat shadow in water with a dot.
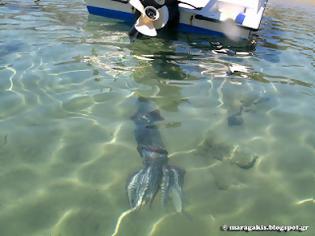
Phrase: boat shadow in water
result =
(179, 59)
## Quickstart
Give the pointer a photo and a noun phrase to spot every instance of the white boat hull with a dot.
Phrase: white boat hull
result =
(207, 20)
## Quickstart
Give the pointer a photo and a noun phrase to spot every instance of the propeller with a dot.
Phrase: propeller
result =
(152, 18)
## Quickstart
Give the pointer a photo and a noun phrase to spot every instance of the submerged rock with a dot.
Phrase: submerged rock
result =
(244, 159)
(214, 149)
(222, 182)
(5, 139)
(235, 119)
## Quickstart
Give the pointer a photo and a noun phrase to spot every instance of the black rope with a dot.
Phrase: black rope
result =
(196, 8)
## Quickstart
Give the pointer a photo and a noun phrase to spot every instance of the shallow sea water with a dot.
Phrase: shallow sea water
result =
(69, 84)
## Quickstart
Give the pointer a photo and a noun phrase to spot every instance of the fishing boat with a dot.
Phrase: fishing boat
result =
(236, 19)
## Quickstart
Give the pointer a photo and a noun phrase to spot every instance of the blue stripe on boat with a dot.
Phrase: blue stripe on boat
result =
(197, 30)
(129, 17)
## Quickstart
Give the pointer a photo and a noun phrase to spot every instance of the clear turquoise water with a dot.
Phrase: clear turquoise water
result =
(68, 85)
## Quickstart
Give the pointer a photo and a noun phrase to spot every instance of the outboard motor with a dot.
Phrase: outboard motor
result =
(152, 15)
